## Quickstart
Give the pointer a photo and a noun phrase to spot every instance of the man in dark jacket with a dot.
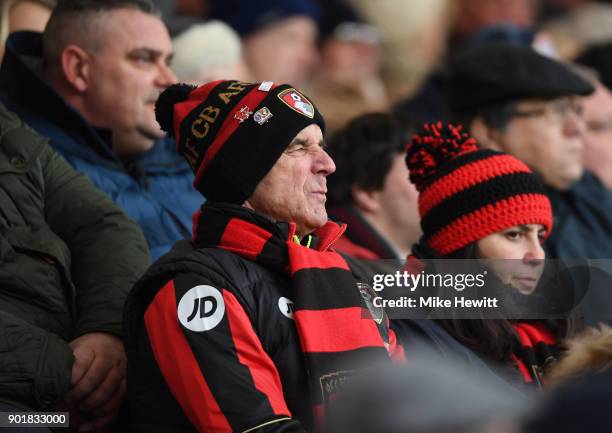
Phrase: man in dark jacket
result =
(370, 190)
(89, 84)
(68, 257)
(518, 101)
(255, 324)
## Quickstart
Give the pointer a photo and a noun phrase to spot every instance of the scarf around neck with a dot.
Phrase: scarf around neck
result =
(338, 333)
(535, 348)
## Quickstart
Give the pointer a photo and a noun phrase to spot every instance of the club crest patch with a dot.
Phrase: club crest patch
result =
(297, 102)
(201, 308)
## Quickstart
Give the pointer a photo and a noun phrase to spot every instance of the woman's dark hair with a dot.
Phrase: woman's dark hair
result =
(492, 338)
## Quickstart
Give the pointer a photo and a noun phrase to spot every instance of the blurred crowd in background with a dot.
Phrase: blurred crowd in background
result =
(377, 70)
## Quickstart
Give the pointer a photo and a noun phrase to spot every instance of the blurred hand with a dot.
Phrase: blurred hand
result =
(98, 381)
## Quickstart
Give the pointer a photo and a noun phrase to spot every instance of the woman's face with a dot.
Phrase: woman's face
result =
(516, 255)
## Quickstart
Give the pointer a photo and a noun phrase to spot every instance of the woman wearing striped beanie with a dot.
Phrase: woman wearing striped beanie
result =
(485, 205)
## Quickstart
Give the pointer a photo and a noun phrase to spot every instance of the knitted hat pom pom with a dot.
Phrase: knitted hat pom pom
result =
(435, 145)
(164, 107)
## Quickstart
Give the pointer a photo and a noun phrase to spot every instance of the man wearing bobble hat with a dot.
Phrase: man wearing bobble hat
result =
(256, 322)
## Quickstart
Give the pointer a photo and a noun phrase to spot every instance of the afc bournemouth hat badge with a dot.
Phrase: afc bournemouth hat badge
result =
(298, 102)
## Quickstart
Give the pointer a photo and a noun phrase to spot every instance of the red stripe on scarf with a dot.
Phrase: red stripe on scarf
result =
(529, 335)
(179, 366)
(336, 330)
(536, 333)
(244, 239)
(229, 126)
(262, 369)
(305, 258)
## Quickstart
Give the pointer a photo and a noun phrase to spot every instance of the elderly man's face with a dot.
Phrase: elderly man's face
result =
(547, 136)
(295, 188)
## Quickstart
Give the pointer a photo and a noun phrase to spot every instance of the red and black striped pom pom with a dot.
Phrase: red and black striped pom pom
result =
(164, 107)
(433, 146)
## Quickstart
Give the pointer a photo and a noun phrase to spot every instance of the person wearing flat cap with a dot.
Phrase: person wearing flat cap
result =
(515, 100)
(253, 324)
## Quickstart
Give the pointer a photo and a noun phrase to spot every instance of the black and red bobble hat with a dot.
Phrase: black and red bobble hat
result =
(232, 133)
(466, 193)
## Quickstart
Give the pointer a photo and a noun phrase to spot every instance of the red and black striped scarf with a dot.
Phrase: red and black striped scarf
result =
(536, 350)
(337, 333)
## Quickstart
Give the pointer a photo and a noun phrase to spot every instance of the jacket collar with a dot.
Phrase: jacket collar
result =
(362, 233)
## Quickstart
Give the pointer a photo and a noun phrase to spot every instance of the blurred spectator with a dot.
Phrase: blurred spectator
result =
(95, 101)
(414, 36)
(370, 189)
(348, 81)
(599, 58)
(68, 258)
(278, 36)
(16, 15)
(555, 8)
(179, 15)
(474, 15)
(515, 35)
(430, 103)
(587, 25)
(587, 353)
(208, 52)
(518, 101)
(598, 133)
(427, 395)
(579, 406)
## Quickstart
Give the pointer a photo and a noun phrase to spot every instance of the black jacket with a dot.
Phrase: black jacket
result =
(212, 343)
(582, 227)
(68, 257)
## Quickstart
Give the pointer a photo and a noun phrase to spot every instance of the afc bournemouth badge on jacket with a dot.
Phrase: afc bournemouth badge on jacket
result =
(368, 294)
(297, 102)
(243, 114)
(262, 115)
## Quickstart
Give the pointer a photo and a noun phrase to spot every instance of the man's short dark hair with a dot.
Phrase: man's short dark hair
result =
(363, 152)
(73, 21)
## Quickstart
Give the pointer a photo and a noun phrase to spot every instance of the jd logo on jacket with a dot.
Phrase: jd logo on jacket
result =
(201, 308)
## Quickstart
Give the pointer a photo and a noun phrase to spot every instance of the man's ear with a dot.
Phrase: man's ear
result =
(75, 63)
(366, 201)
(486, 136)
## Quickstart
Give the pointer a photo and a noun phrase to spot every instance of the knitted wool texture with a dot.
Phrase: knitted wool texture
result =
(232, 133)
(466, 193)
